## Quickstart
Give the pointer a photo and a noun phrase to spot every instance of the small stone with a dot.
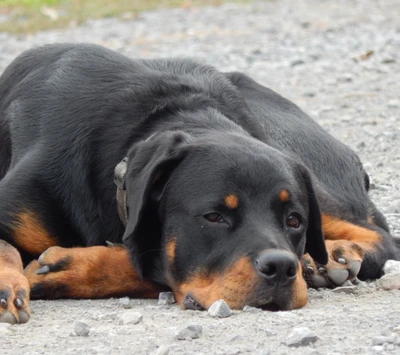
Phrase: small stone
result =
(380, 340)
(250, 309)
(125, 302)
(301, 336)
(346, 78)
(264, 352)
(81, 329)
(394, 104)
(389, 281)
(236, 337)
(347, 283)
(345, 289)
(219, 309)
(107, 316)
(396, 329)
(391, 266)
(166, 298)
(130, 318)
(162, 350)
(192, 331)
(378, 349)
(296, 62)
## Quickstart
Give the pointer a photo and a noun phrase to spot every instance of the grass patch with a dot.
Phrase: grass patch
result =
(28, 16)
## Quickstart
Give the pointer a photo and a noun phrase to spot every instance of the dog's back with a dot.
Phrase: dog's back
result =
(5, 148)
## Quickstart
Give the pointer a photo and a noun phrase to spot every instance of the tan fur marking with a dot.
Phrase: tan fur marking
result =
(171, 249)
(31, 235)
(300, 293)
(284, 195)
(233, 286)
(231, 201)
(336, 229)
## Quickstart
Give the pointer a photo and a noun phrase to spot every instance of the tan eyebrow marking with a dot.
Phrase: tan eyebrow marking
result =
(284, 195)
(231, 201)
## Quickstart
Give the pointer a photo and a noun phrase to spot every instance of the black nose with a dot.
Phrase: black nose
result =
(277, 266)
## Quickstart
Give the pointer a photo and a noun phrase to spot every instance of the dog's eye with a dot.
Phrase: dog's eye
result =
(214, 217)
(293, 221)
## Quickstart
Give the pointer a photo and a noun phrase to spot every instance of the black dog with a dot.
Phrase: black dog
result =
(224, 189)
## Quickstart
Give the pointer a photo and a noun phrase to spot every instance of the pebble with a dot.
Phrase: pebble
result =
(166, 298)
(108, 316)
(394, 104)
(301, 336)
(125, 302)
(345, 289)
(250, 309)
(192, 331)
(130, 317)
(162, 350)
(389, 281)
(391, 266)
(219, 309)
(81, 329)
(265, 351)
(380, 340)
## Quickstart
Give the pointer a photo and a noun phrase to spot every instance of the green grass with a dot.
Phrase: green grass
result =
(28, 16)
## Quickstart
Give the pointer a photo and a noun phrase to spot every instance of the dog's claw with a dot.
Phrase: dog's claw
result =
(43, 270)
(342, 261)
(3, 303)
(18, 303)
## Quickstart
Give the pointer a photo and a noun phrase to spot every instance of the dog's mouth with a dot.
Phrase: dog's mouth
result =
(191, 303)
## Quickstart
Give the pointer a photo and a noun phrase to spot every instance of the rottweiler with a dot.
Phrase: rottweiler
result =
(124, 177)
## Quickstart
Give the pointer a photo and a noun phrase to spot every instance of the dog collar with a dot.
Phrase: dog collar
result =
(119, 181)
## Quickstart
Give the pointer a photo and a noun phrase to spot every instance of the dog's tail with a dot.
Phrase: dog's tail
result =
(5, 147)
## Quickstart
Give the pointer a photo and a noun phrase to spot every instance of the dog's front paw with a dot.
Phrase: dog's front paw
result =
(345, 258)
(14, 297)
(51, 276)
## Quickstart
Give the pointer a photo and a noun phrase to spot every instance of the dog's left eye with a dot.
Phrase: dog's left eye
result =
(293, 221)
(214, 217)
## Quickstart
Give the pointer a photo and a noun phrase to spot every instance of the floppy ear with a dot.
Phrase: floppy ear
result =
(315, 241)
(149, 165)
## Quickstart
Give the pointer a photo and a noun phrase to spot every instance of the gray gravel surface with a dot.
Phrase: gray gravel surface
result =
(339, 61)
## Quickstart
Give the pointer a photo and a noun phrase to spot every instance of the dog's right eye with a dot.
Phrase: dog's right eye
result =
(214, 217)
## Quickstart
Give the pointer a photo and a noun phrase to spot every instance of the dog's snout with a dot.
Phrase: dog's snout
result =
(277, 266)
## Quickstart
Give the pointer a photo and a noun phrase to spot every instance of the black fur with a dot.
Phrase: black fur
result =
(70, 113)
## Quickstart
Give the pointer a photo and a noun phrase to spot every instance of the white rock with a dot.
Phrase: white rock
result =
(250, 309)
(389, 281)
(162, 350)
(130, 317)
(391, 266)
(192, 331)
(166, 298)
(345, 289)
(301, 336)
(81, 328)
(219, 309)
(125, 302)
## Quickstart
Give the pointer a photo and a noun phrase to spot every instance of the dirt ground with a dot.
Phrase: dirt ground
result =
(340, 62)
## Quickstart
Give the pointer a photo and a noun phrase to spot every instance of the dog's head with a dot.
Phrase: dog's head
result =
(221, 216)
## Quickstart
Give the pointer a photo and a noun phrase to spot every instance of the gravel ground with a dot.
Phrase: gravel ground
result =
(339, 61)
